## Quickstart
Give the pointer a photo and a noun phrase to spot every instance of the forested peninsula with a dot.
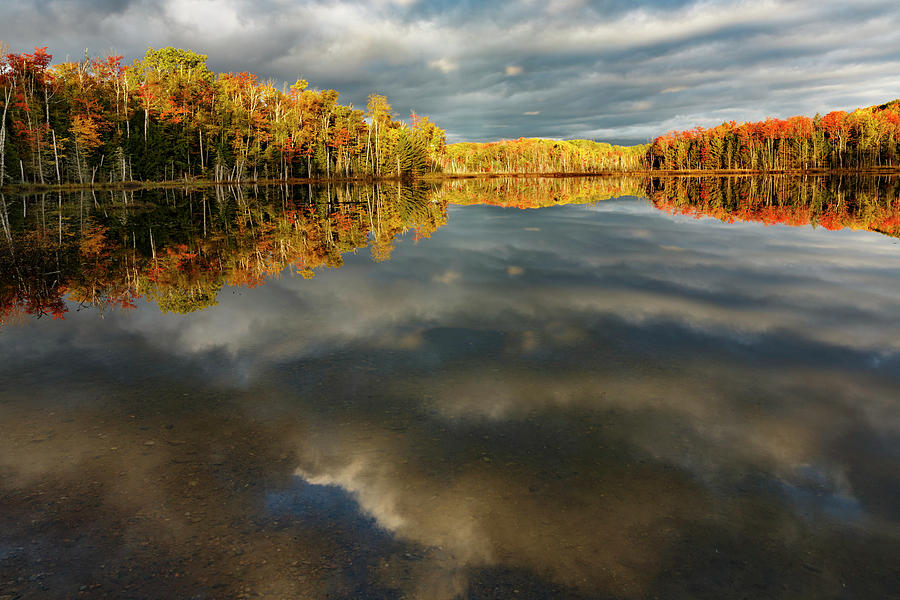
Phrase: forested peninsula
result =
(167, 117)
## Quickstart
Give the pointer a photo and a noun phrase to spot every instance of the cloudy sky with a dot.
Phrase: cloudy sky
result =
(603, 69)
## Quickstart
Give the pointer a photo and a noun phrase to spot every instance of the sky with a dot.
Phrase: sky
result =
(610, 70)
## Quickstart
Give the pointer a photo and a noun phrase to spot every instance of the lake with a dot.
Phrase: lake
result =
(500, 388)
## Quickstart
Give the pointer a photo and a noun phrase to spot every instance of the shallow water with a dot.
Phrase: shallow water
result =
(433, 393)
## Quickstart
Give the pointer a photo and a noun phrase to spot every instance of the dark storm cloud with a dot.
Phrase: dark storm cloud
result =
(610, 70)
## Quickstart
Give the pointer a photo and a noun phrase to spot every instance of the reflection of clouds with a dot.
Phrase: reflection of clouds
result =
(597, 526)
(746, 285)
(858, 331)
(401, 341)
(447, 277)
(579, 530)
(788, 436)
(838, 289)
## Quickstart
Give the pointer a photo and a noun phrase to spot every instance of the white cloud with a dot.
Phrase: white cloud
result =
(444, 65)
(205, 15)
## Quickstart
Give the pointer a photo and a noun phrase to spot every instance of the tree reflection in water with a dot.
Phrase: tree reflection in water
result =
(179, 247)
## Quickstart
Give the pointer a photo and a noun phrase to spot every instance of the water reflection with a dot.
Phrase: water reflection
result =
(592, 400)
(528, 193)
(838, 202)
(179, 248)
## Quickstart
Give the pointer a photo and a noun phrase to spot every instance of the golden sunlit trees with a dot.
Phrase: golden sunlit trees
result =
(167, 116)
(863, 139)
(531, 155)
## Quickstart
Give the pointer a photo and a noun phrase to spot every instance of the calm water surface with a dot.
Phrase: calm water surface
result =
(663, 389)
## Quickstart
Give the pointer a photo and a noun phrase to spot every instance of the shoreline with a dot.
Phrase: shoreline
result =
(30, 188)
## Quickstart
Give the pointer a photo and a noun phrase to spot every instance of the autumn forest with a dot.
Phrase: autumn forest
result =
(167, 117)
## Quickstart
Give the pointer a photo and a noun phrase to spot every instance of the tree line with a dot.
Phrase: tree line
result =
(533, 155)
(168, 117)
(865, 138)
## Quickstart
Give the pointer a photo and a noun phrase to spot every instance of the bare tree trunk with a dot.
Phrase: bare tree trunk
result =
(2, 152)
(36, 154)
(78, 163)
(56, 157)
(368, 147)
(200, 133)
(4, 217)
(94, 170)
(376, 149)
(7, 95)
